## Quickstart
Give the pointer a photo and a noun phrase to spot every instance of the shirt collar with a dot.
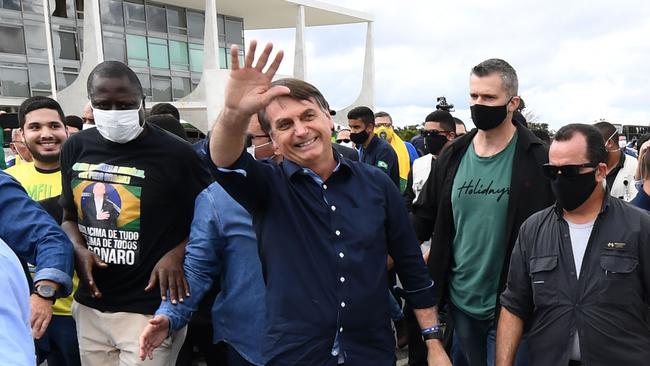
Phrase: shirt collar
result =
(291, 168)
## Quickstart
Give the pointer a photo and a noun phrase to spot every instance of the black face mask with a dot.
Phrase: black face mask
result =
(486, 117)
(572, 192)
(360, 137)
(434, 143)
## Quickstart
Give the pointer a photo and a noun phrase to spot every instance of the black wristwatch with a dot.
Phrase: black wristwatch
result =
(46, 292)
(435, 332)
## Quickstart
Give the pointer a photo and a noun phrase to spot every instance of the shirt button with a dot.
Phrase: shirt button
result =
(335, 353)
(333, 208)
(324, 186)
(342, 279)
(341, 330)
(337, 232)
(341, 254)
(343, 304)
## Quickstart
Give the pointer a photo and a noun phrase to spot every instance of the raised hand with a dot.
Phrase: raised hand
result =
(248, 89)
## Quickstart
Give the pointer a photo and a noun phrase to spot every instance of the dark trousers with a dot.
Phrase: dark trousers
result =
(235, 359)
(59, 343)
(199, 335)
(478, 340)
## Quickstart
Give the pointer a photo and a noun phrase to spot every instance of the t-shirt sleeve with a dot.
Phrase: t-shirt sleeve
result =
(66, 200)
(424, 209)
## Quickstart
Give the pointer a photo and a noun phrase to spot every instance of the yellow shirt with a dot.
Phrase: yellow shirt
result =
(41, 185)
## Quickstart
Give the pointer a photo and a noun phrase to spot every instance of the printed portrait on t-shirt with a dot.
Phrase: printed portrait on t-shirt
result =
(108, 209)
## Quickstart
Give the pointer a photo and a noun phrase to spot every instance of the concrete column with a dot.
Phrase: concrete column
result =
(299, 62)
(74, 97)
(210, 38)
(50, 51)
(367, 95)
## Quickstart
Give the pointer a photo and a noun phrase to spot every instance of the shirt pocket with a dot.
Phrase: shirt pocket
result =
(619, 278)
(543, 272)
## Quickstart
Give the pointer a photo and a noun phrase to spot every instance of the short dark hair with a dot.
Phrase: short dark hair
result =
(113, 70)
(298, 89)
(444, 118)
(38, 102)
(74, 121)
(362, 113)
(459, 121)
(596, 152)
(645, 137)
(384, 114)
(165, 108)
(506, 72)
(607, 130)
(169, 124)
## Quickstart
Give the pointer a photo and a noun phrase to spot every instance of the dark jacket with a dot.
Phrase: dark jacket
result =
(379, 153)
(432, 212)
(607, 304)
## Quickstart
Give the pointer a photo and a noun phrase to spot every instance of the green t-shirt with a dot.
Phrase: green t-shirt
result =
(479, 200)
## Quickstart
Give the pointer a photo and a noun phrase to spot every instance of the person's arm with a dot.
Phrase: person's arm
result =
(517, 302)
(202, 267)
(247, 92)
(509, 332)
(409, 194)
(404, 248)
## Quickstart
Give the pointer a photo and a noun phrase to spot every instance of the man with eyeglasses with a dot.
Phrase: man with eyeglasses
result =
(579, 272)
(484, 186)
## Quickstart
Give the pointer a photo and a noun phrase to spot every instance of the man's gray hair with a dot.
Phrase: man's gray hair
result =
(506, 72)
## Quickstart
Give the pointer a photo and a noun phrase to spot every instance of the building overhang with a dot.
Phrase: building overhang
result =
(275, 14)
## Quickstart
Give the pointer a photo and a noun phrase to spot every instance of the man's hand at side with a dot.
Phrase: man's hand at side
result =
(169, 273)
(153, 335)
(86, 261)
(41, 315)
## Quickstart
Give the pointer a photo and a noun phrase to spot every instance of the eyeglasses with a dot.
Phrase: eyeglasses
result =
(250, 137)
(427, 133)
(569, 171)
(343, 140)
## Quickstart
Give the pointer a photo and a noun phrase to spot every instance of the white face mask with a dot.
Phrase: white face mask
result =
(347, 144)
(251, 151)
(119, 126)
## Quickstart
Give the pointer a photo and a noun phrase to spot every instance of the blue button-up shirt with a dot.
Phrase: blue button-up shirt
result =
(323, 248)
(34, 235)
(223, 247)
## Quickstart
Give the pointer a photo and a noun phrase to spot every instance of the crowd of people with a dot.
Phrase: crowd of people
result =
(275, 241)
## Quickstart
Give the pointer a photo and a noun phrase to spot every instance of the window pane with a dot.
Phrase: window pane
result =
(114, 49)
(11, 40)
(80, 8)
(181, 86)
(36, 42)
(196, 57)
(39, 76)
(64, 79)
(33, 6)
(234, 31)
(111, 11)
(195, 24)
(14, 82)
(65, 45)
(10, 4)
(178, 55)
(156, 19)
(62, 8)
(176, 19)
(158, 54)
(134, 15)
(136, 48)
(146, 83)
(223, 58)
(161, 89)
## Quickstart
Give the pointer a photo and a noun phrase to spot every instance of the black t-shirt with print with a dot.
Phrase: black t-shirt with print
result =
(134, 202)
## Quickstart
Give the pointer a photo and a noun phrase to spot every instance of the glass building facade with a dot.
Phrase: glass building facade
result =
(162, 43)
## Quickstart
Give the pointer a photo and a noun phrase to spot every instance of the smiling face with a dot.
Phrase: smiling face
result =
(301, 130)
(44, 133)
